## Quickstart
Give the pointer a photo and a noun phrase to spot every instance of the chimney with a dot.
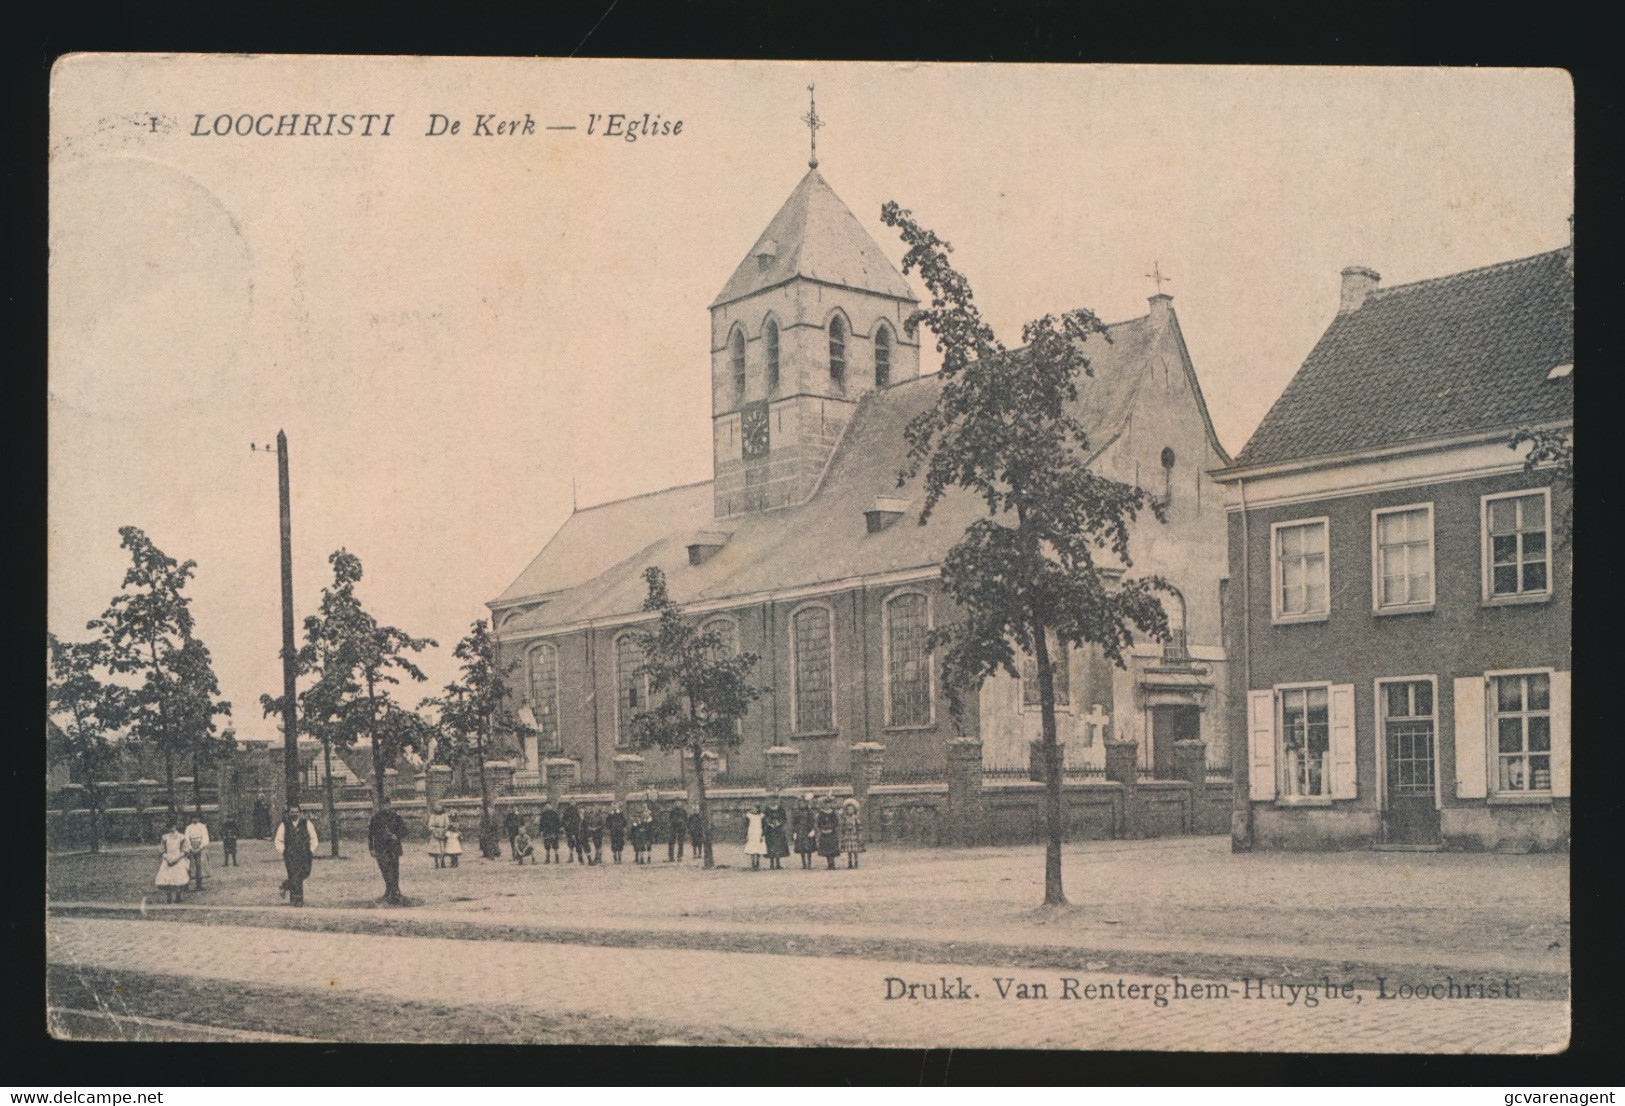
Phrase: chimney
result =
(1162, 305)
(1358, 282)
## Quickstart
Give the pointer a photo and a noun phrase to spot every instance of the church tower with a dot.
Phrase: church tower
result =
(810, 321)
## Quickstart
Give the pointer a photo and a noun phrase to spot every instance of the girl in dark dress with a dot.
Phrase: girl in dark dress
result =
(775, 827)
(804, 832)
(828, 825)
(615, 823)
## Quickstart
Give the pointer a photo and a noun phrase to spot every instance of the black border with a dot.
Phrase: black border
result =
(1350, 33)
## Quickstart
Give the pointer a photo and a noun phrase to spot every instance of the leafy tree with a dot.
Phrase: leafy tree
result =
(147, 632)
(355, 661)
(476, 720)
(1553, 447)
(698, 688)
(1025, 575)
(83, 710)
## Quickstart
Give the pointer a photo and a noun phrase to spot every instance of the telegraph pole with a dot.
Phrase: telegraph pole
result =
(290, 719)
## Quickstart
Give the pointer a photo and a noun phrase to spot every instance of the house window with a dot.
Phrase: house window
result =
(1060, 675)
(736, 359)
(1402, 558)
(882, 356)
(812, 648)
(1522, 724)
(837, 352)
(544, 694)
(1516, 542)
(770, 336)
(1408, 729)
(1300, 570)
(632, 686)
(1305, 736)
(908, 672)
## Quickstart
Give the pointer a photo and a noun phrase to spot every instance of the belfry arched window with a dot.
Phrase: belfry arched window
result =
(837, 351)
(736, 360)
(882, 356)
(770, 339)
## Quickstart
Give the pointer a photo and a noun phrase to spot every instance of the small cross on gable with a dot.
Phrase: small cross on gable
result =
(1156, 275)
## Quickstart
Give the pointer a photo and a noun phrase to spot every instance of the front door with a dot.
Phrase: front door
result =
(1168, 725)
(1409, 735)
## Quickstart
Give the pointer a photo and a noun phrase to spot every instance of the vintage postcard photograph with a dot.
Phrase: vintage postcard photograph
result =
(550, 551)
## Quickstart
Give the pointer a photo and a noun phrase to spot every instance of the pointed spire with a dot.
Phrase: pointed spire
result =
(813, 123)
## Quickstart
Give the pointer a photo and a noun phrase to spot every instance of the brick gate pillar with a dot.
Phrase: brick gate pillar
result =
(967, 807)
(628, 775)
(868, 762)
(783, 767)
(1123, 767)
(1190, 765)
(561, 776)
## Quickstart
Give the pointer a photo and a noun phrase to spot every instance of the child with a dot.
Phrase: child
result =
(228, 843)
(851, 832)
(173, 876)
(522, 848)
(454, 844)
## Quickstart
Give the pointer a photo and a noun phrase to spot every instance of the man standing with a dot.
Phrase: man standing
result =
(228, 843)
(197, 842)
(696, 834)
(615, 823)
(296, 841)
(385, 833)
(676, 831)
(510, 826)
(571, 820)
(549, 822)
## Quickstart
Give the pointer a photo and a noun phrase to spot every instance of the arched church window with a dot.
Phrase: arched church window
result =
(908, 672)
(632, 687)
(882, 356)
(543, 697)
(837, 351)
(736, 356)
(812, 650)
(770, 337)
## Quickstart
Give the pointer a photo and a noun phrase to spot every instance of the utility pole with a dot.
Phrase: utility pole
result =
(290, 718)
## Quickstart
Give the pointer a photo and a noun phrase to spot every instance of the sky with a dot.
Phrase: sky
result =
(464, 334)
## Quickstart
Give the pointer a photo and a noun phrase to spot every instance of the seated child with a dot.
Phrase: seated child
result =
(522, 848)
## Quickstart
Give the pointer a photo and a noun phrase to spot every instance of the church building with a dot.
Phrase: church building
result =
(802, 548)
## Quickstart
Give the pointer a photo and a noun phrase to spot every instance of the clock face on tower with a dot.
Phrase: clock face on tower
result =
(753, 429)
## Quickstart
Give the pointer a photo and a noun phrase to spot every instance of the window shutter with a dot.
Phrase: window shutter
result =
(1344, 781)
(1560, 734)
(1472, 777)
(1261, 745)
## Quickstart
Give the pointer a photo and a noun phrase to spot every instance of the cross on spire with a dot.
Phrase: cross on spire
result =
(813, 123)
(1156, 275)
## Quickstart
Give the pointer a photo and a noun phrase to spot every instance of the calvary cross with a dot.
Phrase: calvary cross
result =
(1096, 722)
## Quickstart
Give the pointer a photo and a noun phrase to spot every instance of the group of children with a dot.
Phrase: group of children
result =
(769, 832)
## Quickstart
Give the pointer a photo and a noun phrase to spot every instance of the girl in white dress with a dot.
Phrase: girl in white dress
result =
(755, 843)
(454, 841)
(174, 874)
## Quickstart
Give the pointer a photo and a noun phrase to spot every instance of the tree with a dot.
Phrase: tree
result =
(147, 632)
(697, 686)
(475, 718)
(1555, 448)
(1026, 574)
(83, 711)
(355, 661)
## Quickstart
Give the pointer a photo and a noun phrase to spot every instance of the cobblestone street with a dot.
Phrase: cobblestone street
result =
(672, 952)
(791, 999)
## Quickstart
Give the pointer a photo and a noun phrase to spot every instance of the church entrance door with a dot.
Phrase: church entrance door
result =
(1168, 725)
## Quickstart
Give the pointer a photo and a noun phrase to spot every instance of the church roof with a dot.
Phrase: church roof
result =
(1455, 354)
(593, 569)
(816, 236)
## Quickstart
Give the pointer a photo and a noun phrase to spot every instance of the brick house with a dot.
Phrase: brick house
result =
(1398, 611)
(804, 550)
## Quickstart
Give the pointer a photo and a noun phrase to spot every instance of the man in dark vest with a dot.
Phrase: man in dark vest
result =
(296, 841)
(385, 833)
(549, 822)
